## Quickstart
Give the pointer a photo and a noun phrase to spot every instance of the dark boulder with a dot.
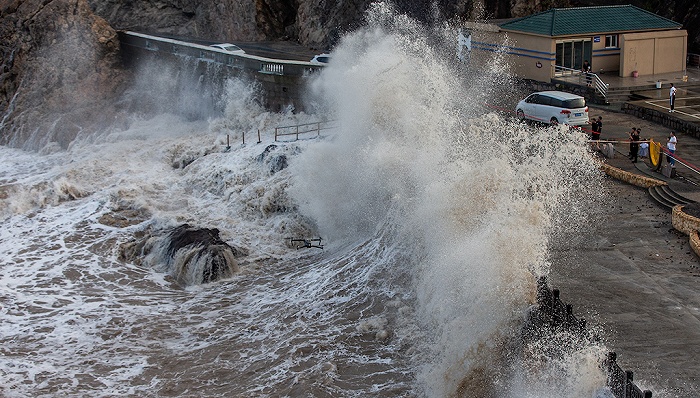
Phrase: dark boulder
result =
(191, 255)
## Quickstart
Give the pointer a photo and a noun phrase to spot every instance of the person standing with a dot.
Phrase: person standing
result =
(634, 144)
(630, 134)
(672, 98)
(586, 68)
(671, 146)
(595, 131)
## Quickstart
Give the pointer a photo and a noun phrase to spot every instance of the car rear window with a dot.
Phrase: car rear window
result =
(574, 103)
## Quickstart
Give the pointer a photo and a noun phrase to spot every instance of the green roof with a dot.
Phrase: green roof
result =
(582, 20)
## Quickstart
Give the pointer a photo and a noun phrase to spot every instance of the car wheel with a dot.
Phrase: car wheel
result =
(521, 114)
(553, 121)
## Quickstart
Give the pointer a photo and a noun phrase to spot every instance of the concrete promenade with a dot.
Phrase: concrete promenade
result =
(634, 275)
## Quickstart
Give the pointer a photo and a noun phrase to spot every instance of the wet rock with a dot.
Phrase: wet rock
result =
(191, 255)
(60, 72)
(275, 162)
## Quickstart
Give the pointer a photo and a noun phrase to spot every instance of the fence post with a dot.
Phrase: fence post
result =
(244, 137)
(297, 132)
(275, 134)
(629, 379)
(259, 141)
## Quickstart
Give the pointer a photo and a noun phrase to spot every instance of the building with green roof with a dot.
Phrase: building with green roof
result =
(624, 40)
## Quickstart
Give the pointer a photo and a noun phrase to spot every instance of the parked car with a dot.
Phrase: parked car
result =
(554, 107)
(229, 48)
(321, 59)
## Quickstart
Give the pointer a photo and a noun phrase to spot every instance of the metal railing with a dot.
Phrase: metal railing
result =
(305, 128)
(582, 78)
(553, 314)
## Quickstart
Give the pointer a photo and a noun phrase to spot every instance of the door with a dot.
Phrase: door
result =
(570, 55)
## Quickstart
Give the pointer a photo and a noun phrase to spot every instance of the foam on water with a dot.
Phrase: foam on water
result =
(437, 218)
(476, 198)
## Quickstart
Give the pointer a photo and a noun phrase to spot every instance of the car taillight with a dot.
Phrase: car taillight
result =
(565, 112)
(586, 110)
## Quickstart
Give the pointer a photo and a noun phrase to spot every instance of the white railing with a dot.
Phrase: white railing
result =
(272, 69)
(596, 82)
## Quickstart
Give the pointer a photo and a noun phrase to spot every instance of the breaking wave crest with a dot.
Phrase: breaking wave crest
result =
(474, 198)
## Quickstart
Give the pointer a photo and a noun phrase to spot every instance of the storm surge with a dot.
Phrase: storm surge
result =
(437, 216)
(472, 200)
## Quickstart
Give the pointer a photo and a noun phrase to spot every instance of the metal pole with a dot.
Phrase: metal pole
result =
(259, 136)
(244, 138)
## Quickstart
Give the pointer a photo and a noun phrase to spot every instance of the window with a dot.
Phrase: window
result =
(575, 103)
(571, 54)
(556, 102)
(610, 41)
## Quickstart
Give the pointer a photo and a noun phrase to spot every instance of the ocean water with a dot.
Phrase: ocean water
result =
(436, 216)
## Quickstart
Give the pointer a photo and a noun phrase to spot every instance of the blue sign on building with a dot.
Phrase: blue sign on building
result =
(596, 39)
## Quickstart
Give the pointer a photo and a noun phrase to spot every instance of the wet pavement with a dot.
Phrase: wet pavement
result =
(633, 275)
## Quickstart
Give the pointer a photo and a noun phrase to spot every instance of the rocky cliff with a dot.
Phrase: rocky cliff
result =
(60, 69)
(60, 58)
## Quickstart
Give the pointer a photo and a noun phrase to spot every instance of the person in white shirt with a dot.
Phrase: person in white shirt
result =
(672, 98)
(671, 146)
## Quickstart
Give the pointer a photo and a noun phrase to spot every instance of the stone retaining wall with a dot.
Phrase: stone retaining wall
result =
(630, 178)
(663, 118)
(684, 222)
(681, 221)
(687, 224)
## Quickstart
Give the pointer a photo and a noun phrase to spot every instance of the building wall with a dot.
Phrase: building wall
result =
(605, 60)
(529, 57)
(653, 52)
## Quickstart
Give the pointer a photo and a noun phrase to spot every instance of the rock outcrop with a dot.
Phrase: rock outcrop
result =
(190, 255)
(60, 69)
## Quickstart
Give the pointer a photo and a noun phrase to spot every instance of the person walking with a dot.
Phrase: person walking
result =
(671, 146)
(672, 98)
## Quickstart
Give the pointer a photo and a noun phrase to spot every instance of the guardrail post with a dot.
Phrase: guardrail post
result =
(629, 379)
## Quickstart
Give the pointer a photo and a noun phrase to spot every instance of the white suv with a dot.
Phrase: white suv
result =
(554, 107)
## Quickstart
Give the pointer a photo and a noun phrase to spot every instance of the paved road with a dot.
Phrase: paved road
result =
(637, 276)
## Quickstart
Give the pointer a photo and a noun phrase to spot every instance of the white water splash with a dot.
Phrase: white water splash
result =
(437, 217)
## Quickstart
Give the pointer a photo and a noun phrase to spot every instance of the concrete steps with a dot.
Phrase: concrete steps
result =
(667, 197)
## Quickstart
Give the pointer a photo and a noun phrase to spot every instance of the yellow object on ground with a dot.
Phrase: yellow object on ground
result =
(654, 153)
